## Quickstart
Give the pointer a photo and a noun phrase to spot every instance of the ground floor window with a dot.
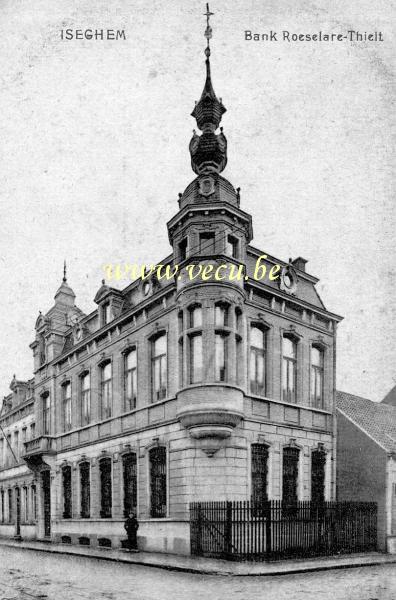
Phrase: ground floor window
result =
(34, 502)
(25, 505)
(259, 473)
(85, 490)
(290, 475)
(105, 488)
(130, 482)
(318, 463)
(2, 505)
(67, 492)
(10, 506)
(158, 496)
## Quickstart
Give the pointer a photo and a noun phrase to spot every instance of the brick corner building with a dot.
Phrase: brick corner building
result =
(174, 391)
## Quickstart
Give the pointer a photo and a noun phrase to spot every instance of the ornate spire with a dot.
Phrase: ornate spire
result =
(64, 271)
(208, 151)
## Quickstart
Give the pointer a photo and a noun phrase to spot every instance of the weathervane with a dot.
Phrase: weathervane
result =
(208, 30)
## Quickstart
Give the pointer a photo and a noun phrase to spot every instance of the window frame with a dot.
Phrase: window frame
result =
(130, 403)
(155, 511)
(85, 398)
(46, 413)
(106, 390)
(162, 361)
(317, 372)
(289, 397)
(66, 405)
(106, 509)
(85, 490)
(258, 354)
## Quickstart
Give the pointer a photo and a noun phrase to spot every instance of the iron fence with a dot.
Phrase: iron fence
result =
(244, 530)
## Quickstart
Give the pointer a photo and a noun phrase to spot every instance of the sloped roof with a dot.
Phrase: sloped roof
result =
(376, 419)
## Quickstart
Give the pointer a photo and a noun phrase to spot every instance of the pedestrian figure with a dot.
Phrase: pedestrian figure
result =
(131, 526)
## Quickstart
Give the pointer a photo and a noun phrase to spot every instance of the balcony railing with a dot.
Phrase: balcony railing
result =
(39, 445)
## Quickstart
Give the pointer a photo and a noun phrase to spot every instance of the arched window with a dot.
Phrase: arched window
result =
(85, 490)
(159, 367)
(289, 370)
(290, 475)
(105, 488)
(46, 408)
(67, 492)
(318, 462)
(130, 381)
(129, 468)
(259, 473)
(85, 398)
(67, 408)
(257, 360)
(158, 495)
(106, 390)
(316, 377)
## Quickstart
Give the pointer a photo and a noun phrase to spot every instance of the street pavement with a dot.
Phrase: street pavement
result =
(27, 574)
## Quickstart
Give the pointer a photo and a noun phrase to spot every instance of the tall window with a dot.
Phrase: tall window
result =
(157, 457)
(257, 360)
(129, 468)
(232, 246)
(67, 492)
(85, 383)
(34, 502)
(67, 408)
(196, 358)
(105, 488)
(85, 490)
(206, 242)
(183, 250)
(10, 507)
(195, 316)
(106, 395)
(316, 377)
(159, 367)
(318, 476)
(220, 356)
(32, 431)
(2, 505)
(259, 473)
(25, 505)
(46, 408)
(130, 366)
(16, 445)
(289, 370)
(290, 475)
(221, 315)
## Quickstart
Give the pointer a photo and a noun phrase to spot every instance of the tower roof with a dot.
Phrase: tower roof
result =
(208, 151)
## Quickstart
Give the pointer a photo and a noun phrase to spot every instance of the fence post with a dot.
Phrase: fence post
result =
(268, 532)
(228, 531)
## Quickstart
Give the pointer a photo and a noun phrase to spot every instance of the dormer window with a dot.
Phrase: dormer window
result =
(106, 313)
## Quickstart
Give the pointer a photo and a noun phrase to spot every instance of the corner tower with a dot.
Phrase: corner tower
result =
(210, 231)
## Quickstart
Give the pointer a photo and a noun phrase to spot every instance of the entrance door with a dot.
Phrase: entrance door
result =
(47, 502)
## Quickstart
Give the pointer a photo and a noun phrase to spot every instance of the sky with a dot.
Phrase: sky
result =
(94, 151)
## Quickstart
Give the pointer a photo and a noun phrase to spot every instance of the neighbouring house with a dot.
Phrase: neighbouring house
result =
(390, 397)
(366, 459)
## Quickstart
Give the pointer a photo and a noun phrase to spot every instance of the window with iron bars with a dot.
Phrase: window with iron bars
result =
(129, 465)
(157, 457)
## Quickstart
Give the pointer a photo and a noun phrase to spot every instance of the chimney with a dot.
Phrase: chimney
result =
(299, 263)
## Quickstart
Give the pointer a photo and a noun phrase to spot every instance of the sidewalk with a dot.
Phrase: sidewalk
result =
(208, 566)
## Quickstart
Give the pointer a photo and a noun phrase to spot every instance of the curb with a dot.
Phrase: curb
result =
(387, 559)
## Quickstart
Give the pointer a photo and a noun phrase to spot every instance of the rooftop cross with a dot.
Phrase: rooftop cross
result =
(208, 30)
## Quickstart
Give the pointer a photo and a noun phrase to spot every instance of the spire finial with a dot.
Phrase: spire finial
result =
(208, 30)
(64, 271)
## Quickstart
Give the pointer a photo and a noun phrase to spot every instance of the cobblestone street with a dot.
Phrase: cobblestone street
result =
(27, 574)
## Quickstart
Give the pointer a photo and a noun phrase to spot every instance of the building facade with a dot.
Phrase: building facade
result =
(366, 450)
(184, 389)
